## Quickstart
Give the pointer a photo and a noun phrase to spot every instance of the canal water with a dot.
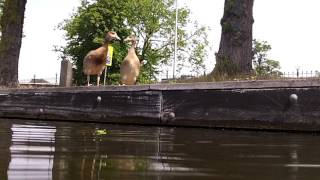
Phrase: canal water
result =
(40, 150)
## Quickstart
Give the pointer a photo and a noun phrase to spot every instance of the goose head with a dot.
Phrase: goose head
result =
(132, 38)
(111, 36)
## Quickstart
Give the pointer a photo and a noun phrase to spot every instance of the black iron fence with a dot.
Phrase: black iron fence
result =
(297, 74)
(40, 81)
(301, 74)
(54, 80)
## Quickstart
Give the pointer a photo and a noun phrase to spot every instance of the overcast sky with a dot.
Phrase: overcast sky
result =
(291, 27)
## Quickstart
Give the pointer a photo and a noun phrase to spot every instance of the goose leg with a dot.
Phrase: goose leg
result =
(135, 80)
(88, 80)
(98, 79)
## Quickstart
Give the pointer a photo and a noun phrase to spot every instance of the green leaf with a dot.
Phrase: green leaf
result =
(100, 132)
(153, 21)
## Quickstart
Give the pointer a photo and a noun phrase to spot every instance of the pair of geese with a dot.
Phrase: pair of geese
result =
(95, 61)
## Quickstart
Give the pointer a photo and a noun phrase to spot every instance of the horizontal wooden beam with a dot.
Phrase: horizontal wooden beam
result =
(268, 105)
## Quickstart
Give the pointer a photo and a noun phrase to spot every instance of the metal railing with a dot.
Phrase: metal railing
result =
(297, 74)
(301, 74)
(40, 81)
(54, 81)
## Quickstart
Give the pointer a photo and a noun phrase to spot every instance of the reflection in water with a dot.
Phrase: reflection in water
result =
(50, 150)
(5, 142)
(32, 151)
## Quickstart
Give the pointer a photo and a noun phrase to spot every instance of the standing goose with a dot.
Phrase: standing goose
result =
(95, 61)
(130, 67)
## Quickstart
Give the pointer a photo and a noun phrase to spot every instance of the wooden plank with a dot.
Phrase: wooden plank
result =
(102, 106)
(246, 108)
(226, 85)
(246, 105)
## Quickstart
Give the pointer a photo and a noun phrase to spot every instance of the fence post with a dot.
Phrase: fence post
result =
(56, 79)
(34, 79)
(66, 73)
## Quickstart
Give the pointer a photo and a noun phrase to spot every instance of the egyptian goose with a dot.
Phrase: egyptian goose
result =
(130, 67)
(95, 61)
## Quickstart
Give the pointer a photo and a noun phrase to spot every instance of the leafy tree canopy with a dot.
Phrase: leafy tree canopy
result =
(263, 66)
(152, 21)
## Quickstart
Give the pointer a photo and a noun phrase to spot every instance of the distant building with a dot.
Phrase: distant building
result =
(39, 81)
(184, 77)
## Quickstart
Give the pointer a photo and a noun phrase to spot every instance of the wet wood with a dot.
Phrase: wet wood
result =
(240, 105)
(96, 106)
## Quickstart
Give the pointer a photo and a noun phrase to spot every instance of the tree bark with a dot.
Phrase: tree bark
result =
(12, 25)
(234, 57)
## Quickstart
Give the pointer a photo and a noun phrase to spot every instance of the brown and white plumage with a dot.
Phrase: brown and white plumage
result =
(95, 61)
(130, 67)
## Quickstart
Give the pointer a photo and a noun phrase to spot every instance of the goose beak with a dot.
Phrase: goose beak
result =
(144, 62)
(117, 38)
(127, 39)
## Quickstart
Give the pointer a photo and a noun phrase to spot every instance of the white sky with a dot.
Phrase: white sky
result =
(291, 27)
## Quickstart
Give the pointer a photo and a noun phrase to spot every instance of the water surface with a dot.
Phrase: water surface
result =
(39, 150)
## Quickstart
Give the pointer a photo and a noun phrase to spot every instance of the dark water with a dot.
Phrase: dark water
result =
(33, 150)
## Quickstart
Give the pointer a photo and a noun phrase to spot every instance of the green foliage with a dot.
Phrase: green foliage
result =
(152, 21)
(263, 66)
(193, 49)
(1, 12)
(83, 29)
(1, 7)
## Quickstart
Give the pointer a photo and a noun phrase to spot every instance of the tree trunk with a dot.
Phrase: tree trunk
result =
(11, 25)
(234, 58)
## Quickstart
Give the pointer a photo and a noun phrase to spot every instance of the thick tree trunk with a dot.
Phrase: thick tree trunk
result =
(235, 52)
(11, 24)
